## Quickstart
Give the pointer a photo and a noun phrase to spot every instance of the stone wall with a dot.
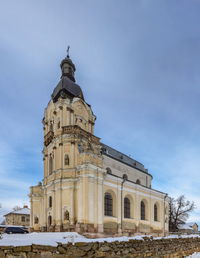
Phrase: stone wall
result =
(162, 248)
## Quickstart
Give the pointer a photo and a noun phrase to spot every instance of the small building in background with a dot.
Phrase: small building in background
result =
(190, 227)
(20, 217)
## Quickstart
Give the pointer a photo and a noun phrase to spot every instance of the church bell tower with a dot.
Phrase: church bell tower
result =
(70, 195)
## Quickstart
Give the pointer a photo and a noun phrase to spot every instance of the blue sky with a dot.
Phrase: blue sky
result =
(138, 64)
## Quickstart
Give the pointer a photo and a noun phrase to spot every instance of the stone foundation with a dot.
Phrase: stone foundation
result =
(162, 248)
(107, 229)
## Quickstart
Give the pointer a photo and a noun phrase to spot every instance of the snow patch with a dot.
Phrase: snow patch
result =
(40, 238)
(194, 255)
(52, 238)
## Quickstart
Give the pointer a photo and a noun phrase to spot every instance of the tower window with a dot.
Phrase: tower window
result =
(50, 201)
(70, 69)
(127, 208)
(66, 160)
(50, 165)
(142, 210)
(108, 204)
(155, 212)
(58, 125)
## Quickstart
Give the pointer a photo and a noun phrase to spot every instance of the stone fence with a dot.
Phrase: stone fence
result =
(159, 248)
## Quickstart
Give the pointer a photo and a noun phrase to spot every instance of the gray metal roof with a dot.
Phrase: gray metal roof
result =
(66, 86)
(110, 152)
(22, 211)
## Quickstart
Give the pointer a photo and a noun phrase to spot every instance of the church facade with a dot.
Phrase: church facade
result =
(87, 185)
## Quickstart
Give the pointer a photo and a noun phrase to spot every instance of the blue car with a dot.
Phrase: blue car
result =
(15, 230)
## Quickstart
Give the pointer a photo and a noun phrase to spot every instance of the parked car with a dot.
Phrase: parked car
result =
(15, 230)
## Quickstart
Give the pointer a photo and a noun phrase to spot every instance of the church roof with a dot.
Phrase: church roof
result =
(22, 211)
(66, 86)
(119, 156)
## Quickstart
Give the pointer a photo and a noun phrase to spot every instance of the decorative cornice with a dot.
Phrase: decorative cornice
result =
(77, 130)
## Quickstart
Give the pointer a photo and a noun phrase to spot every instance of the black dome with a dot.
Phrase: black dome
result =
(66, 87)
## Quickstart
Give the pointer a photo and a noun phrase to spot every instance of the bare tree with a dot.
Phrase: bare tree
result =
(179, 210)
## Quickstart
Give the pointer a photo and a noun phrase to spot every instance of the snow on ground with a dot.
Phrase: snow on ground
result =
(52, 238)
(40, 238)
(194, 255)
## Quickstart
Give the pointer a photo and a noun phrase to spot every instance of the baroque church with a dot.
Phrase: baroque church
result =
(89, 186)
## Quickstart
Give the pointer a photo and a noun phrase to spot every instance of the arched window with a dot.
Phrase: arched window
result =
(125, 177)
(138, 182)
(50, 165)
(127, 208)
(58, 125)
(109, 171)
(50, 201)
(155, 212)
(49, 220)
(66, 160)
(142, 210)
(108, 204)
